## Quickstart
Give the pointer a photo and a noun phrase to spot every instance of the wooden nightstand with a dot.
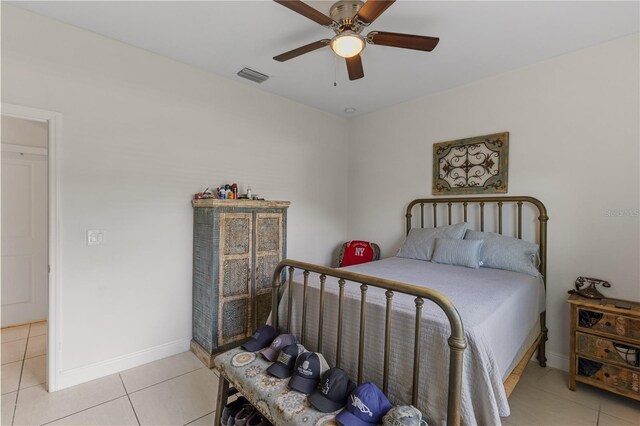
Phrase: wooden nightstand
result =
(605, 345)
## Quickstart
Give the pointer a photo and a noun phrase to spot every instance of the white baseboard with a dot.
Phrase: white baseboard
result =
(75, 376)
(559, 361)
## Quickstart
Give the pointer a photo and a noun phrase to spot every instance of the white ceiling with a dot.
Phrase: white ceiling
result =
(477, 40)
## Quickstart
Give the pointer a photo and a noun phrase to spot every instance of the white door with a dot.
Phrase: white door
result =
(24, 238)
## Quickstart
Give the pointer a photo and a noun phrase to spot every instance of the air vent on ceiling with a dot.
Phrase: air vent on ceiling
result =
(253, 75)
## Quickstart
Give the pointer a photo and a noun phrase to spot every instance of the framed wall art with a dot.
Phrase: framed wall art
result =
(477, 165)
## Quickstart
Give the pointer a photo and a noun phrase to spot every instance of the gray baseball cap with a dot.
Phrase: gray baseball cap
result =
(271, 353)
(403, 415)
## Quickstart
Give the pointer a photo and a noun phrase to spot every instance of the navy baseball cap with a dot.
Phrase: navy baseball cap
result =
(365, 407)
(271, 353)
(262, 338)
(283, 367)
(310, 366)
(335, 388)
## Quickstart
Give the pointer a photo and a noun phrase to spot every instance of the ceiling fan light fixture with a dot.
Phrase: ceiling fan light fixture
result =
(348, 44)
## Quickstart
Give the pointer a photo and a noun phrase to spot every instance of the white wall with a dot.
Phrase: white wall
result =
(141, 134)
(574, 144)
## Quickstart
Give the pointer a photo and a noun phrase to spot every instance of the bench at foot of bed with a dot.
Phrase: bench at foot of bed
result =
(246, 372)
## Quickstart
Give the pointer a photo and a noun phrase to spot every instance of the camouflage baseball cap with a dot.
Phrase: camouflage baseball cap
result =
(403, 415)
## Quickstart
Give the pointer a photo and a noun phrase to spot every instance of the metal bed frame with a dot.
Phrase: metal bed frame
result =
(499, 202)
(457, 342)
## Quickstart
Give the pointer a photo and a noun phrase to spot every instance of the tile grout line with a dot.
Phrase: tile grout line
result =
(80, 411)
(24, 356)
(129, 398)
(576, 401)
(111, 400)
(166, 380)
(195, 420)
(557, 395)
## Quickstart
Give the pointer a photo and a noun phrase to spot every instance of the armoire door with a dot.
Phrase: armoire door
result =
(235, 266)
(268, 247)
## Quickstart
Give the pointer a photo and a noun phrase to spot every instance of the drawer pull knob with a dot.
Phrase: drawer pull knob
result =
(607, 375)
(608, 324)
(607, 351)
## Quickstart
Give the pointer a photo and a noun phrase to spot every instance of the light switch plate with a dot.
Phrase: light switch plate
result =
(95, 237)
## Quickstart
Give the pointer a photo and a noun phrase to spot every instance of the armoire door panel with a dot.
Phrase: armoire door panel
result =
(235, 267)
(237, 233)
(269, 232)
(234, 320)
(263, 308)
(265, 265)
(236, 277)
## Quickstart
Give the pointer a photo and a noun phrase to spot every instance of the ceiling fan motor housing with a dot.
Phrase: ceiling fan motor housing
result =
(343, 13)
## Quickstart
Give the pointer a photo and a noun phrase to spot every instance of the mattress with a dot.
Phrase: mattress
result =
(499, 310)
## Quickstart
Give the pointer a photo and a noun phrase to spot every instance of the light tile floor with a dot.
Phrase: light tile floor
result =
(179, 390)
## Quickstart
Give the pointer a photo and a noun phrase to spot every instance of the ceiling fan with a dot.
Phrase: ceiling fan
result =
(348, 19)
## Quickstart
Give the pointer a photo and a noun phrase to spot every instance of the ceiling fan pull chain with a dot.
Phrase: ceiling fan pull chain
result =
(335, 70)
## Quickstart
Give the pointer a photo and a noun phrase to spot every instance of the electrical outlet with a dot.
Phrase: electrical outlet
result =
(95, 237)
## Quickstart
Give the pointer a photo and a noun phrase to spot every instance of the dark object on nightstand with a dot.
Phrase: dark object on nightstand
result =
(605, 345)
(590, 292)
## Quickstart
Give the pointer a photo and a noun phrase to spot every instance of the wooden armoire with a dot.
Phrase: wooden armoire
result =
(236, 247)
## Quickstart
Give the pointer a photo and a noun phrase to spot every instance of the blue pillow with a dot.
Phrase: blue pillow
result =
(508, 253)
(419, 242)
(458, 252)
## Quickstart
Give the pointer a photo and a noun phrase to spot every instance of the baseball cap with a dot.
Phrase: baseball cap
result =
(262, 338)
(271, 353)
(365, 407)
(283, 367)
(333, 392)
(310, 366)
(403, 415)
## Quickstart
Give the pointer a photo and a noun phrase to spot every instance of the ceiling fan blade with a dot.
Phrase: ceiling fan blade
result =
(302, 50)
(372, 9)
(307, 11)
(405, 41)
(354, 67)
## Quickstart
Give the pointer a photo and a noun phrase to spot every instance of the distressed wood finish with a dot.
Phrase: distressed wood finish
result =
(237, 246)
(246, 204)
(516, 374)
(605, 345)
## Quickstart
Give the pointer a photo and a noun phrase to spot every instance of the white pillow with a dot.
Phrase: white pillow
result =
(508, 253)
(419, 243)
(458, 252)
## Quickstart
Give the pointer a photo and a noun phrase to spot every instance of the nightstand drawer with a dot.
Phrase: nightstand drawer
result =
(608, 350)
(609, 323)
(625, 380)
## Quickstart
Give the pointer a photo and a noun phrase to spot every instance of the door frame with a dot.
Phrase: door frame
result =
(54, 123)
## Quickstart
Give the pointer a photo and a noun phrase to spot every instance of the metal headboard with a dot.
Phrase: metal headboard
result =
(481, 202)
(499, 203)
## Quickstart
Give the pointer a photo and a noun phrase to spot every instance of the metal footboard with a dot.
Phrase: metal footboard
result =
(456, 341)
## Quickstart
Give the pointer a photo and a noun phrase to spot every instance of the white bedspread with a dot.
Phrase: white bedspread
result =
(498, 309)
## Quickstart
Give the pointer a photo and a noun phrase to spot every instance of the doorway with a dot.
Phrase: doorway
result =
(24, 221)
(24, 252)
(29, 247)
